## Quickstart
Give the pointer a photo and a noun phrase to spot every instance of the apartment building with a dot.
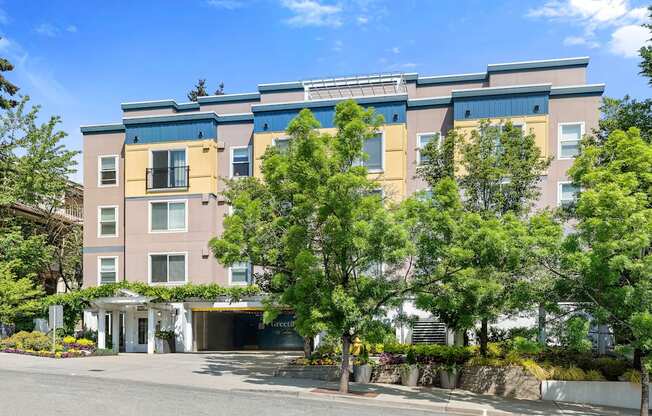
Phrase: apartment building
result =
(152, 181)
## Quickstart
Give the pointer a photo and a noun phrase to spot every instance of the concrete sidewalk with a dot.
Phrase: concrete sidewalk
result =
(249, 372)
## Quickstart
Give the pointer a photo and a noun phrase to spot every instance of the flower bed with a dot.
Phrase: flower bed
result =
(39, 344)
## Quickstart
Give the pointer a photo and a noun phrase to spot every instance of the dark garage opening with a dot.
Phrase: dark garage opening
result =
(243, 330)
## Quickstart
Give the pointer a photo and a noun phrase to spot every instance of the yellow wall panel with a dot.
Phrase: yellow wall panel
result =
(394, 175)
(201, 156)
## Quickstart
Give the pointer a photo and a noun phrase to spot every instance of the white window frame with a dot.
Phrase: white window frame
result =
(231, 160)
(99, 171)
(420, 146)
(99, 268)
(382, 154)
(168, 149)
(251, 276)
(559, 190)
(166, 253)
(99, 221)
(559, 136)
(168, 231)
(280, 139)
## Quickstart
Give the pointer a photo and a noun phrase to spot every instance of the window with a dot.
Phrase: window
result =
(567, 194)
(167, 268)
(169, 169)
(240, 161)
(373, 147)
(107, 270)
(282, 143)
(240, 273)
(570, 135)
(108, 170)
(107, 219)
(142, 331)
(422, 140)
(168, 216)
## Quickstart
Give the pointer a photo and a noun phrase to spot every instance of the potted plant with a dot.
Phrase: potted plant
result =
(164, 341)
(410, 370)
(452, 358)
(362, 367)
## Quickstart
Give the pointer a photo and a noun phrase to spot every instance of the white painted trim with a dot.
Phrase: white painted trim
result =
(559, 186)
(420, 147)
(99, 218)
(232, 148)
(559, 140)
(168, 201)
(99, 171)
(280, 138)
(170, 253)
(232, 283)
(99, 268)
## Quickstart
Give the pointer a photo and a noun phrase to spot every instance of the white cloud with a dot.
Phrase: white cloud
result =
(627, 40)
(313, 13)
(4, 19)
(580, 41)
(4, 44)
(395, 50)
(363, 20)
(71, 29)
(226, 4)
(46, 29)
(338, 46)
(594, 18)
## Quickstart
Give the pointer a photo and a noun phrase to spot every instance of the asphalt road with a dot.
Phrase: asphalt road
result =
(26, 394)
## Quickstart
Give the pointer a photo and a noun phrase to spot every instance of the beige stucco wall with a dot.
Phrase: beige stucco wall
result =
(439, 90)
(281, 96)
(229, 107)
(94, 146)
(202, 223)
(563, 76)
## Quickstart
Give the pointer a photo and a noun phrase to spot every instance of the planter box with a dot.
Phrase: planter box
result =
(390, 374)
(604, 393)
(314, 372)
(511, 381)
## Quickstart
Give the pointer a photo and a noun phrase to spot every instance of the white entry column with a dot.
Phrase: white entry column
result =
(151, 328)
(101, 329)
(115, 330)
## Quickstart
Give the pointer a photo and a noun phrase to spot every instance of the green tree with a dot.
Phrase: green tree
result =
(18, 295)
(474, 268)
(319, 231)
(200, 90)
(7, 89)
(622, 114)
(646, 54)
(609, 257)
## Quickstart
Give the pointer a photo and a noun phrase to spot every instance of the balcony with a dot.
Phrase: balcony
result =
(167, 178)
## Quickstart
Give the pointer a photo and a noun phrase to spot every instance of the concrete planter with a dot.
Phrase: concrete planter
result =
(604, 393)
(449, 378)
(164, 346)
(409, 375)
(362, 373)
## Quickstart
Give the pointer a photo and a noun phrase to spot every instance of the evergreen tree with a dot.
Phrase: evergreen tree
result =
(646, 54)
(7, 89)
(200, 90)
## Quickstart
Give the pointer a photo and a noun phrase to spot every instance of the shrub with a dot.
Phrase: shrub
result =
(632, 376)
(377, 348)
(612, 368)
(36, 341)
(397, 348)
(568, 374)
(69, 340)
(104, 352)
(594, 375)
(388, 358)
(575, 334)
(494, 350)
(526, 346)
(535, 369)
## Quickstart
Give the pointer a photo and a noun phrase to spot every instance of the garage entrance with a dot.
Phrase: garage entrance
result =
(243, 330)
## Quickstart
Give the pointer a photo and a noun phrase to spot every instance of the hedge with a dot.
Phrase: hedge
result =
(74, 303)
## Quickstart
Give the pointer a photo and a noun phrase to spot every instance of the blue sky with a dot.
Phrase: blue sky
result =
(81, 59)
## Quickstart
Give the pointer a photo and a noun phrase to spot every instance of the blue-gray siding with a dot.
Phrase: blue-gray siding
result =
(500, 106)
(166, 132)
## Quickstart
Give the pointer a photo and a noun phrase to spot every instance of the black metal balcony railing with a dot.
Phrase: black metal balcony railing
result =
(165, 178)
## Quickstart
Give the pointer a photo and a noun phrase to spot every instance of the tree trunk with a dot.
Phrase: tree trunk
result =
(638, 356)
(484, 337)
(542, 325)
(645, 390)
(307, 347)
(344, 369)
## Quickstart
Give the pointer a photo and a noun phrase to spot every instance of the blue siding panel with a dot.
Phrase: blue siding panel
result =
(171, 131)
(500, 106)
(279, 120)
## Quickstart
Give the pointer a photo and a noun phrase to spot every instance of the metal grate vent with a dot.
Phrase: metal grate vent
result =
(428, 332)
(355, 86)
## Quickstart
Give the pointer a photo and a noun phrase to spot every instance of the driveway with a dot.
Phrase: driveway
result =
(223, 370)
